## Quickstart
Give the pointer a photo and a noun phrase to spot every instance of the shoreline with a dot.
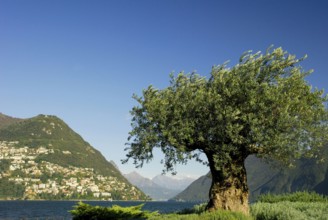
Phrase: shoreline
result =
(76, 200)
(81, 200)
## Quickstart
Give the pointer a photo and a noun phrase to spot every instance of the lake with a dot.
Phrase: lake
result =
(58, 210)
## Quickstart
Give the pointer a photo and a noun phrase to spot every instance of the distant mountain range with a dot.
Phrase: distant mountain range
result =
(42, 158)
(308, 175)
(161, 187)
(173, 182)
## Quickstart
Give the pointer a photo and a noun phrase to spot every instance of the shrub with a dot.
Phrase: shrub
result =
(84, 211)
(87, 212)
(293, 197)
(287, 210)
(197, 209)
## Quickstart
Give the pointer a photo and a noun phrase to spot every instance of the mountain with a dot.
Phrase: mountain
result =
(7, 120)
(197, 190)
(115, 165)
(173, 182)
(42, 158)
(150, 188)
(262, 178)
(139, 180)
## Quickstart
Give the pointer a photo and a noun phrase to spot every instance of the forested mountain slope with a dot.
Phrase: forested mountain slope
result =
(42, 157)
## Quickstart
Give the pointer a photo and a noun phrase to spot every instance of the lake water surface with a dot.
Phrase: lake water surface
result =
(58, 210)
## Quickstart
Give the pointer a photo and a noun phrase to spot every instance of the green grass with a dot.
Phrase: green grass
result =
(198, 213)
(299, 205)
(218, 215)
(293, 197)
(290, 211)
(290, 206)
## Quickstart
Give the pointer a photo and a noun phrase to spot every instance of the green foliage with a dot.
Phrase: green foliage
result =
(217, 215)
(7, 120)
(9, 189)
(85, 211)
(48, 196)
(293, 197)
(290, 206)
(261, 106)
(290, 211)
(4, 165)
(199, 212)
(197, 209)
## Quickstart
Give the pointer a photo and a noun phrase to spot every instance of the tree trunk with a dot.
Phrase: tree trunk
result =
(229, 190)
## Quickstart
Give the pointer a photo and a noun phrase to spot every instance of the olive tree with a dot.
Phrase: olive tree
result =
(262, 106)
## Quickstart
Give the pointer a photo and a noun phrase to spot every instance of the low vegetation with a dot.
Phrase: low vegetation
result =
(304, 197)
(216, 215)
(299, 205)
(85, 211)
(290, 210)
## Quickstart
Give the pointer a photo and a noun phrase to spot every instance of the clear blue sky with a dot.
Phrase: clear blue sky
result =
(82, 60)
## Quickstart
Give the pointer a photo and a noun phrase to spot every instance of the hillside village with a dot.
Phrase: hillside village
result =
(45, 180)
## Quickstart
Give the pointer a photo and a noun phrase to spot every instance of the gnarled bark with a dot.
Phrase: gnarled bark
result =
(229, 190)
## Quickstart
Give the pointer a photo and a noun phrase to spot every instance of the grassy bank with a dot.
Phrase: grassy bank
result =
(290, 211)
(300, 205)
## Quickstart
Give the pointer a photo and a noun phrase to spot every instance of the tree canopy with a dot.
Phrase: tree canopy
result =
(262, 106)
